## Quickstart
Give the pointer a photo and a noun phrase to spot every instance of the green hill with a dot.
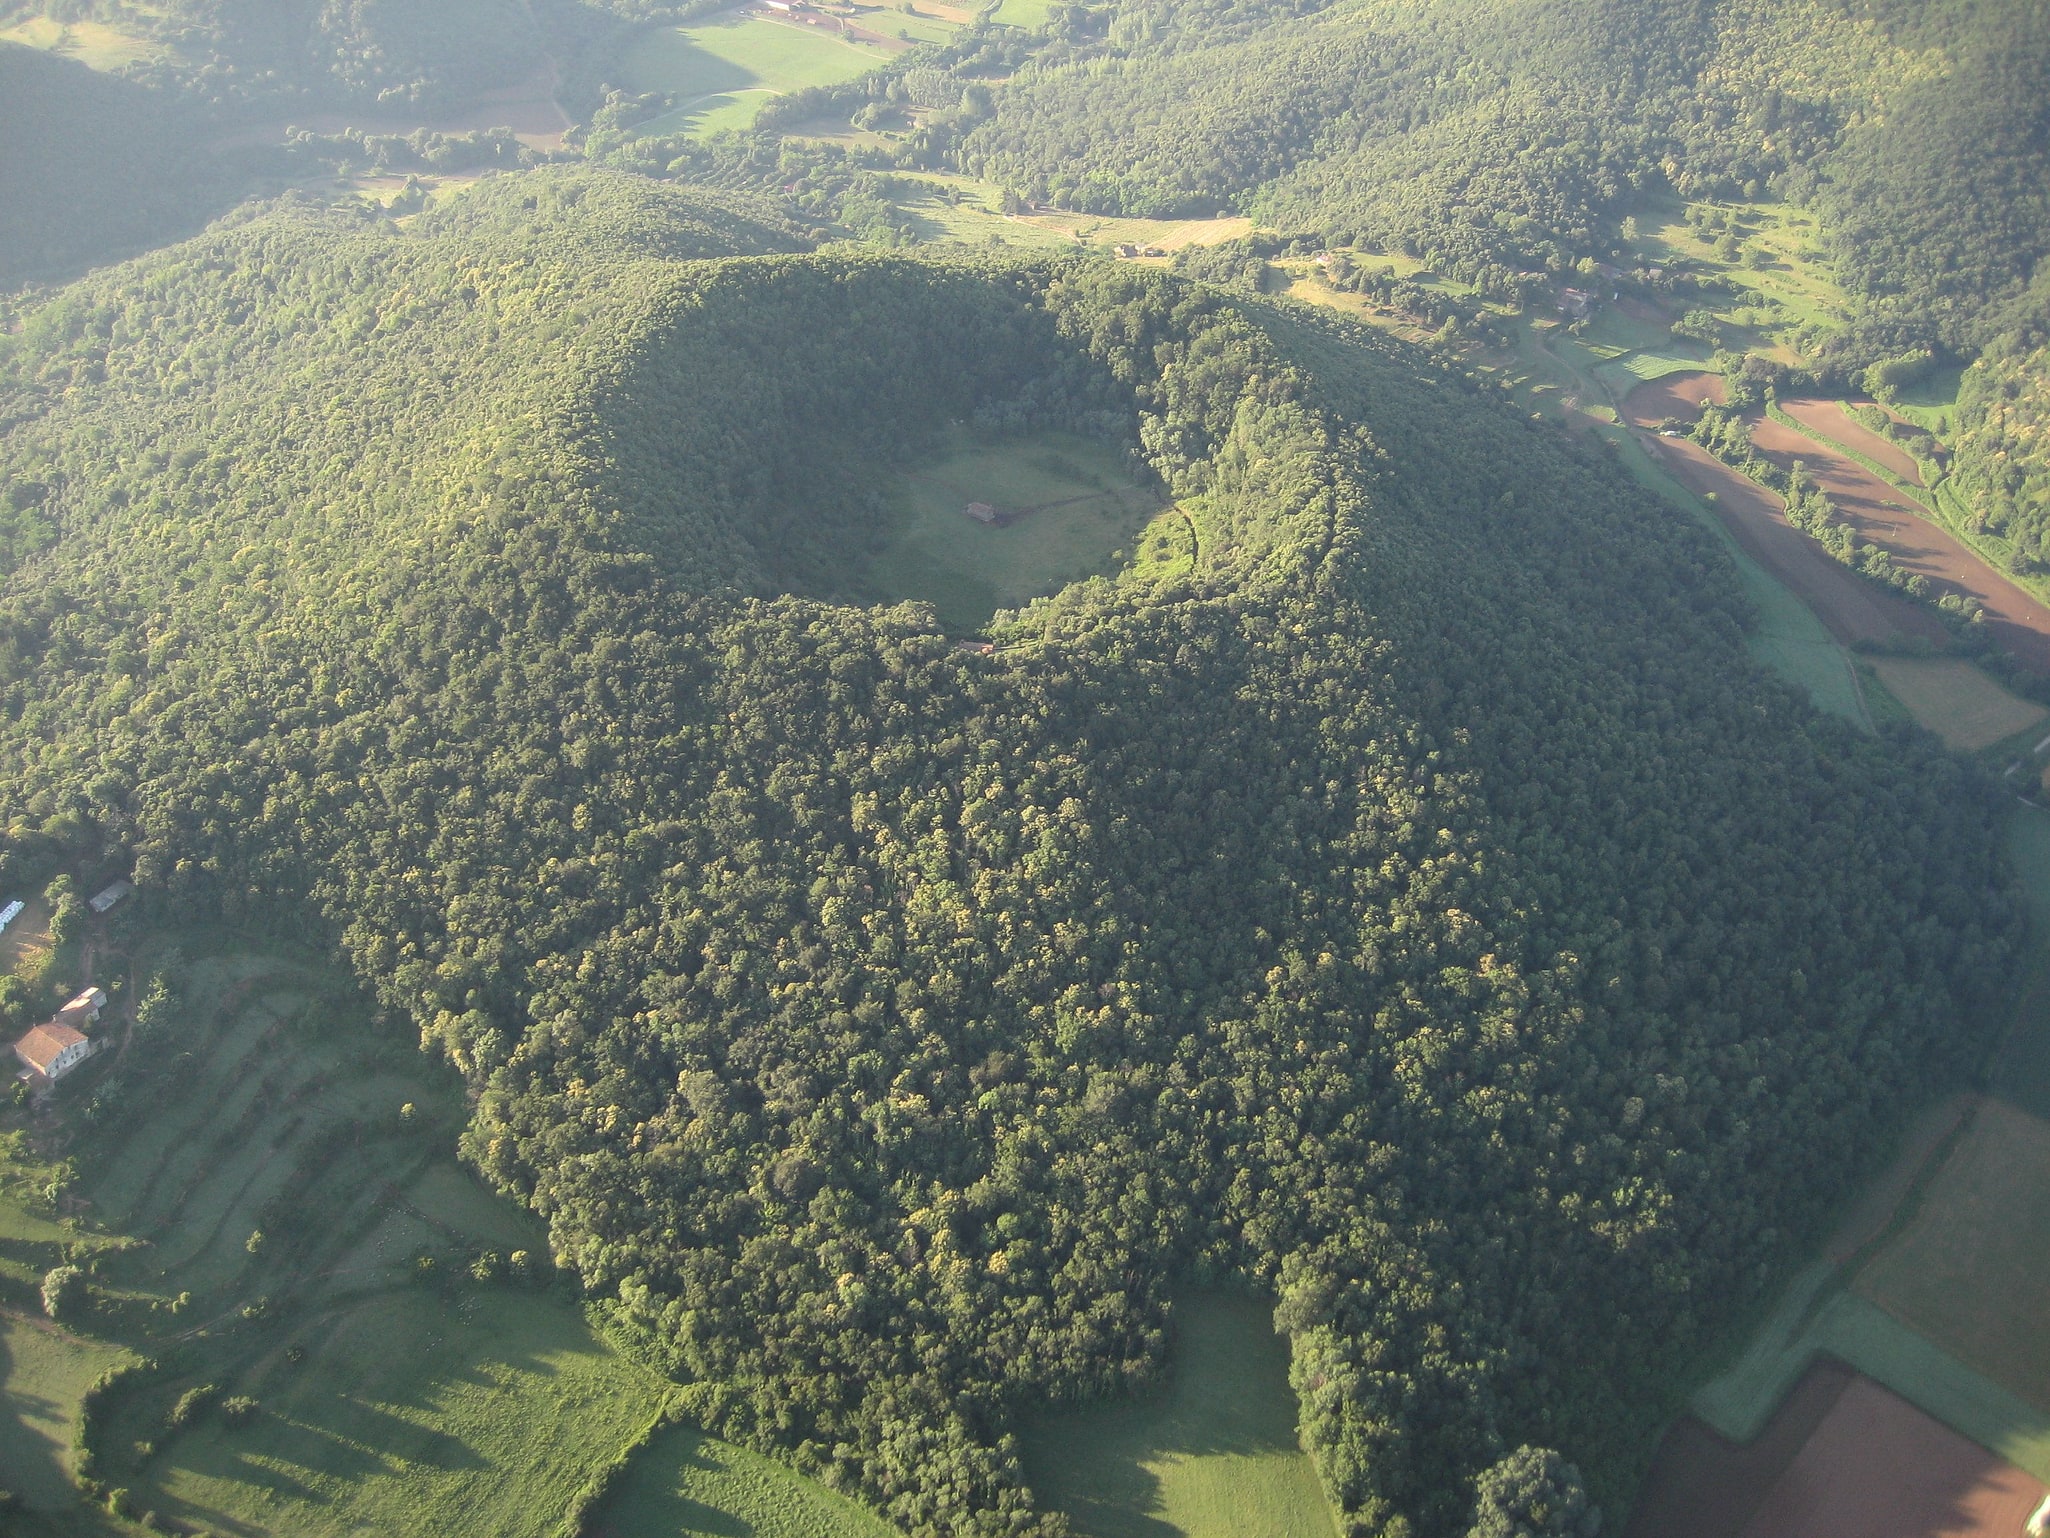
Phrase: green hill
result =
(1410, 900)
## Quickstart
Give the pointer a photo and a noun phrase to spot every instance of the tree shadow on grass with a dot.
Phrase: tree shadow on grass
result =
(1226, 1395)
(29, 1465)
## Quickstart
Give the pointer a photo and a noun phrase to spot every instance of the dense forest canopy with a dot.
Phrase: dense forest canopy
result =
(1422, 909)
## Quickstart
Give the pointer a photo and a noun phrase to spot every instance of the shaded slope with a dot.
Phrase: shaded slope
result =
(94, 168)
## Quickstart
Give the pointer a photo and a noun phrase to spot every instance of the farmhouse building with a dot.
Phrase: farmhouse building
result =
(1577, 303)
(981, 512)
(1126, 248)
(113, 894)
(51, 1051)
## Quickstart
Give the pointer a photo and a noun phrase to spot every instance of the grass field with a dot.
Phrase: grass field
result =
(1972, 1270)
(45, 1372)
(1075, 513)
(1654, 362)
(721, 71)
(1794, 285)
(1214, 1455)
(310, 1243)
(1956, 701)
(1030, 14)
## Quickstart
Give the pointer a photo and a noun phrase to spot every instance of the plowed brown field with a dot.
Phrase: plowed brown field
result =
(1877, 1467)
(1855, 609)
(1882, 516)
(1843, 1458)
(1702, 1486)
(1833, 420)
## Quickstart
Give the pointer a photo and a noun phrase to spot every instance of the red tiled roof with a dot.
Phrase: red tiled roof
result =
(42, 1046)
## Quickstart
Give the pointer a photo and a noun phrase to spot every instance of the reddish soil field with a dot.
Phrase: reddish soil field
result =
(1701, 1486)
(1853, 608)
(1877, 1467)
(1676, 395)
(1843, 1458)
(1833, 420)
(2018, 622)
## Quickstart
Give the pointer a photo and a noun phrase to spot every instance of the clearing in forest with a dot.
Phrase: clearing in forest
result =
(1065, 509)
(1214, 1454)
(93, 44)
(1956, 701)
(723, 70)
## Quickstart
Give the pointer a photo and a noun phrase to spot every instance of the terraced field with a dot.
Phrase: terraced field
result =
(270, 1210)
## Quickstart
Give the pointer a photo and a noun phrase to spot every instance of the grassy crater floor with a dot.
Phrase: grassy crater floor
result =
(1213, 1455)
(1069, 509)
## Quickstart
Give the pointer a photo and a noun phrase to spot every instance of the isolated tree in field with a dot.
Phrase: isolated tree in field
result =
(1532, 1493)
(63, 1291)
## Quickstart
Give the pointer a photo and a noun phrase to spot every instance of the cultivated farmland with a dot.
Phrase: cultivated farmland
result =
(1956, 701)
(1972, 1270)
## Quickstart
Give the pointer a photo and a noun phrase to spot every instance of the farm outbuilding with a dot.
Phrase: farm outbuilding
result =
(9, 914)
(106, 898)
(981, 512)
(83, 1010)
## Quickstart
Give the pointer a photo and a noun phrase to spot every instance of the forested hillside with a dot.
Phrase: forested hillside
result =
(1420, 907)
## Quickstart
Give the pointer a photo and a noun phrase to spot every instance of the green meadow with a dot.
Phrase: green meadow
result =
(689, 1485)
(721, 71)
(1212, 1455)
